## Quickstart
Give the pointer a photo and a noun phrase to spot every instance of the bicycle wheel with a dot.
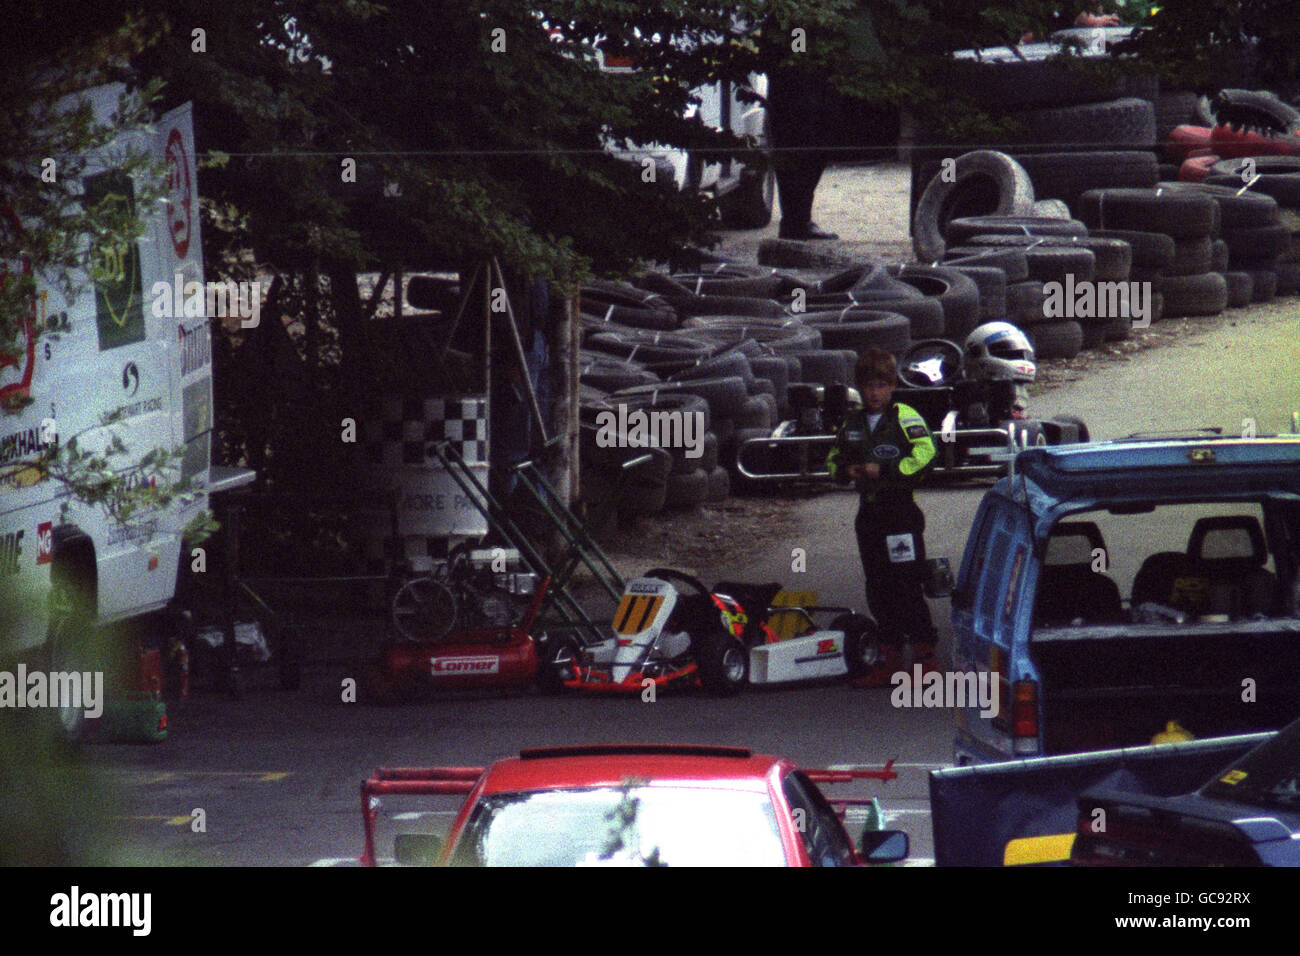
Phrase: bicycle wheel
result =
(424, 609)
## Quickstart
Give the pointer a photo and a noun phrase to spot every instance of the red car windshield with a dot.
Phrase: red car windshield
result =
(612, 826)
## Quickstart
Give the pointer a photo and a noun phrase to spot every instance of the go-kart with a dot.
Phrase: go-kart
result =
(979, 422)
(670, 628)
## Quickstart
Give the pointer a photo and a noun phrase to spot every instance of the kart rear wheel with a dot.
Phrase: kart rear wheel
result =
(862, 648)
(723, 662)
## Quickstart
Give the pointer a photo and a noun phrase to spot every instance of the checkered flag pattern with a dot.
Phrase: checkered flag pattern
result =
(408, 428)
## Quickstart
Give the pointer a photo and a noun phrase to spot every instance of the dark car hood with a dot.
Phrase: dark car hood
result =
(1186, 830)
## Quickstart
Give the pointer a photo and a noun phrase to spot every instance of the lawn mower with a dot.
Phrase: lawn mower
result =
(464, 626)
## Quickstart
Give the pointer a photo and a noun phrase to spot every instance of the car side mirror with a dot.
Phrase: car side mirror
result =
(417, 849)
(883, 846)
(938, 578)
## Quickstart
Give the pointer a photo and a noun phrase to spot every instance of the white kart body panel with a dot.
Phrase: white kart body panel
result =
(820, 654)
(646, 606)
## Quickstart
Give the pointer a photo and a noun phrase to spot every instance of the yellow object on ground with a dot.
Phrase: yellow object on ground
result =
(1174, 733)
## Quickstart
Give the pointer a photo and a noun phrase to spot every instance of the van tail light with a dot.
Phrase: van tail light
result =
(1024, 716)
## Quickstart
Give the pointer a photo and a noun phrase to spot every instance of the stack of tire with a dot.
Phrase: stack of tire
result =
(1043, 259)
(1277, 177)
(1223, 244)
(1069, 131)
(729, 341)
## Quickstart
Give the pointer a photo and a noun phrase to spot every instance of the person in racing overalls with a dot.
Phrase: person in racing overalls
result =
(884, 448)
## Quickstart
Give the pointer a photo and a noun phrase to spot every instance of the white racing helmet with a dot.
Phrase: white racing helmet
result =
(999, 350)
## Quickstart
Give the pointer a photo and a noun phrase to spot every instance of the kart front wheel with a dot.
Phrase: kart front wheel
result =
(723, 662)
(862, 647)
(557, 663)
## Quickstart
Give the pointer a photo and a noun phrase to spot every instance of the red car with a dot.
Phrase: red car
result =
(635, 804)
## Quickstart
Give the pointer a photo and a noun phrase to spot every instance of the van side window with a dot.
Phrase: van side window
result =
(1013, 583)
(976, 566)
(990, 584)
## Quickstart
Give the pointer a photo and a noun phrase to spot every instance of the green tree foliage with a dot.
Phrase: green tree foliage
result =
(1208, 44)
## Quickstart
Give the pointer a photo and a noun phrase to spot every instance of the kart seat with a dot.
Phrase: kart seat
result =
(1068, 587)
(931, 403)
(755, 599)
(1230, 552)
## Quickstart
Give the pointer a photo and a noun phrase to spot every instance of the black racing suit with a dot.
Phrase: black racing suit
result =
(890, 527)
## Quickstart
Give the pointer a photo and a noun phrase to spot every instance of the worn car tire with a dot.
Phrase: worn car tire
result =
(824, 367)
(1288, 278)
(719, 484)
(1256, 244)
(892, 333)
(1192, 257)
(1066, 176)
(725, 395)
(1278, 176)
(1128, 123)
(984, 182)
(755, 414)
(1183, 215)
(1113, 258)
(1052, 209)
(1009, 260)
(1241, 288)
(991, 282)
(1150, 250)
(967, 227)
(1056, 340)
(1237, 209)
(1259, 110)
(1055, 263)
(730, 305)
(1204, 294)
(1218, 256)
(1025, 303)
(1265, 281)
(957, 294)
(1173, 108)
(686, 490)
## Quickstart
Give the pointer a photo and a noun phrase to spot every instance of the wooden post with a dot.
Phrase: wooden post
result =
(562, 464)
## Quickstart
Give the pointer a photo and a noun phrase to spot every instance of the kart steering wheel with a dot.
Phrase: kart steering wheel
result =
(669, 574)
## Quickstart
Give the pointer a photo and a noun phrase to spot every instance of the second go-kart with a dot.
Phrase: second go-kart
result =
(973, 398)
(670, 628)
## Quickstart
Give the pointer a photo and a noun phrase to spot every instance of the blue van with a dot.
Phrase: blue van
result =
(1120, 593)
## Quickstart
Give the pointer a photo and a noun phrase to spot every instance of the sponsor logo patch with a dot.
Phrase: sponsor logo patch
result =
(886, 451)
(916, 431)
(45, 542)
(901, 548)
(487, 664)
